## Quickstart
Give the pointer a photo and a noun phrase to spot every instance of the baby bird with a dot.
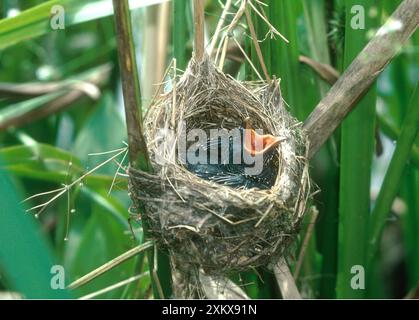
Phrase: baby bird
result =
(252, 160)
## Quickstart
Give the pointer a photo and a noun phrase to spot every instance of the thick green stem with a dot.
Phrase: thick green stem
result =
(179, 33)
(357, 149)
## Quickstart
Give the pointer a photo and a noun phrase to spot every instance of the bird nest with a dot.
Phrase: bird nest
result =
(203, 223)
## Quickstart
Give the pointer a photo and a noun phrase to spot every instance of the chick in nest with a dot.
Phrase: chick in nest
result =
(228, 162)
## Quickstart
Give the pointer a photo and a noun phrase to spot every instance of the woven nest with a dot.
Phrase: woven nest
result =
(202, 223)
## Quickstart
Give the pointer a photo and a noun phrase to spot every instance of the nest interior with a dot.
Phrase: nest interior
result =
(215, 227)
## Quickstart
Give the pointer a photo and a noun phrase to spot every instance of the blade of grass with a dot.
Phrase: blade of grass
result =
(284, 56)
(409, 193)
(357, 149)
(327, 228)
(403, 83)
(114, 286)
(108, 203)
(179, 33)
(314, 12)
(110, 265)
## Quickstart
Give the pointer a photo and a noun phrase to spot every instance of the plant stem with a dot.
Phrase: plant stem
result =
(199, 29)
(257, 46)
(219, 26)
(138, 153)
(331, 75)
(110, 265)
(130, 86)
(179, 33)
(285, 280)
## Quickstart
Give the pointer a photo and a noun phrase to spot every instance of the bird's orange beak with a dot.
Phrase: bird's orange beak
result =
(257, 144)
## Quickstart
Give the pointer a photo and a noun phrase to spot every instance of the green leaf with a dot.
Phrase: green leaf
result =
(24, 254)
(285, 59)
(111, 205)
(35, 21)
(103, 131)
(48, 163)
(102, 240)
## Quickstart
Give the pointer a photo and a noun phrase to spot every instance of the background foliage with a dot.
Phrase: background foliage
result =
(47, 134)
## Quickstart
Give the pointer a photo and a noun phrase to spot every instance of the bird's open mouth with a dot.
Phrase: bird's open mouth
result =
(257, 144)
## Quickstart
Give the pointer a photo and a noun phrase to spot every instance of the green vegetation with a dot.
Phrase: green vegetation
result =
(68, 119)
